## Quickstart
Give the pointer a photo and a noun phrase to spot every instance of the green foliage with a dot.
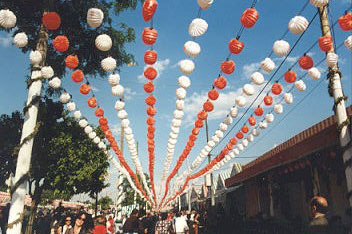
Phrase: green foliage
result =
(50, 195)
(105, 203)
(129, 193)
(73, 24)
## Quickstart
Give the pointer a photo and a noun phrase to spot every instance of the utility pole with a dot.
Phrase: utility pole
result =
(122, 135)
(340, 110)
(210, 188)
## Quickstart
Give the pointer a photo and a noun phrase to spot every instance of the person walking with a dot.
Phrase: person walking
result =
(131, 225)
(100, 225)
(181, 224)
(81, 225)
(66, 226)
(164, 226)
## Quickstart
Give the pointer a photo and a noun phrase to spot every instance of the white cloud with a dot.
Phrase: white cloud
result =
(95, 89)
(248, 69)
(160, 67)
(6, 41)
(129, 93)
(116, 129)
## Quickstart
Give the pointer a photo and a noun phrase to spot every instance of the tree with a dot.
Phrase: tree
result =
(65, 161)
(130, 193)
(104, 203)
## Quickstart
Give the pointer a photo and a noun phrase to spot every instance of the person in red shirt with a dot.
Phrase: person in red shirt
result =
(100, 226)
(112, 227)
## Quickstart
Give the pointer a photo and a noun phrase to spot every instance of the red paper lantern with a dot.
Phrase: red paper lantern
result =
(202, 115)
(259, 111)
(61, 43)
(245, 128)
(268, 100)
(150, 135)
(150, 100)
(306, 62)
(84, 89)
(72, 61)
(193, 137)
(213, 94)
(78, 76)
(290, 76)
(150, 35)
(104, 128)
(251, 120)
(149, 8)
(92, 102)
(150, 73)
(149, 87)
(150, 120)
(150, 57)
(103, 121)
(190, 144)
(229, 146)
(199, 123)
(239, 135)
(51, 20)
(233, 141)
(345, 21)
(224, 152)
(326, 43)
(236, 46)
(151, 128)
(99, 112)
(151, 111)
(228, 66)
(208, 106)
(220, 82)
(195, 131)
(276, 88)
(249, 17)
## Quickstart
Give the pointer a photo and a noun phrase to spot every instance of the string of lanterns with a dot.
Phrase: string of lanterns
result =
(192, 49)
(248, 19)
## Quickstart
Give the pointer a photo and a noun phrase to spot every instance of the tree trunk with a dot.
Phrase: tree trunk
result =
(96, 204)
(25, 153)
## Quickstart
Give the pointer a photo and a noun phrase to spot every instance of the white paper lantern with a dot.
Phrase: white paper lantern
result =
(35, 57)
(223, 127)
(101, 145)
(108, 64)
(204, 152)
(245, 142)
(278, 108)
(250, 138)
(55, 83)
(125, 123)
(20, 39)
(103, 42)
(172, 141)
(170, 146)
(240, 101)
(173, 135)
(263, 125)
(221, 164)
(240, 147)
(187, 66)
(215, 139)
(228, 120)
(298, 24)
(348, 42)
(128, 130)
(176, 123)
(234, 112)
(300, 85)
(180, 104)
(65, 97)
(219, 134)
(83, 123)
(47, 72)
(228, 157)
(314, 73)
(129, 137)
(248, 89)
(331, 59)
(192, 49)
(77, 114)
(117, 90)
(122, 114)
(119, 105)
(7, 18)
(232, 155)
(236, 151)
(205, 4)
(197, 27)
(207, 149)
(267, 65)
(92, 135)
(181, 93)
(319, 3)
(288, 98)
(281, 48)
(269, 118)
(184, 82)
(71, 106)
(175, 129)
(255, 132)
(95, 17)
(114, 79)
(257, 78)
(88, 129)
(211, 144)
(178, 114)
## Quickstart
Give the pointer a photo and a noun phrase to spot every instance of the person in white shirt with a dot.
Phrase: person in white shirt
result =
(181, 224)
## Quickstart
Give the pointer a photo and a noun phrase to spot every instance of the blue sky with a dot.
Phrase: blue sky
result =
(172, 20)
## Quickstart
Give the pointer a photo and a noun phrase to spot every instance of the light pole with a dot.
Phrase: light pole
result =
(210, 188)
